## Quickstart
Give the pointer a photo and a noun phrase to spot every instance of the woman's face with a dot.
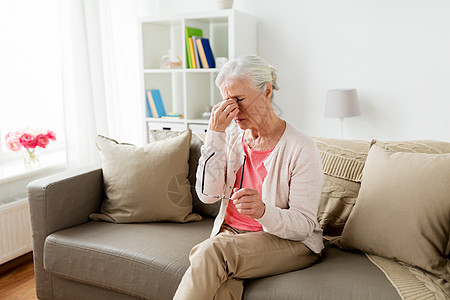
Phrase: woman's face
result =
(254, 105)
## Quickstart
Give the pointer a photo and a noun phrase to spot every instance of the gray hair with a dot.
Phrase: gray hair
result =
(250, 67)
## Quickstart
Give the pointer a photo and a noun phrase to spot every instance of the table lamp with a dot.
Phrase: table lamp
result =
(342, 103)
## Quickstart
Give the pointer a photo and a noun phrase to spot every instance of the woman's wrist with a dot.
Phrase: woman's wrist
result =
(263, 211)
(215, 128)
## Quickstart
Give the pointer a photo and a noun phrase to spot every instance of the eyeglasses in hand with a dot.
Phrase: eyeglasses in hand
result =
(220, 197)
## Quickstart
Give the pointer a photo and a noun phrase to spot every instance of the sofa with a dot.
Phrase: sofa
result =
(76, 257)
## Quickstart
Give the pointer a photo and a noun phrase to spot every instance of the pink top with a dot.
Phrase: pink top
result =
(254, 174)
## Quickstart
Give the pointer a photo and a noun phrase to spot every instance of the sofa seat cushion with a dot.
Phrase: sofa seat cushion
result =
(143, 260)
(338, 275)
(148, 261)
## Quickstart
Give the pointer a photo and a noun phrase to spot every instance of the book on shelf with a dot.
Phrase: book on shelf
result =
(173, 116)
(205, 53)
(148, 109)
(155, 103)
(197, 57)
(151, 105)
(189, 32)
(192, 53)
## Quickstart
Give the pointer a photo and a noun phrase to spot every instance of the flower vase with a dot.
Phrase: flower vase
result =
(30, 159)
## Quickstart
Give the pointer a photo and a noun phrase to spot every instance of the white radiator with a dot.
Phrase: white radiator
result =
(15, 230)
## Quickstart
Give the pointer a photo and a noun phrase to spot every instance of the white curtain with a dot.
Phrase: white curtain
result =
(101, 74)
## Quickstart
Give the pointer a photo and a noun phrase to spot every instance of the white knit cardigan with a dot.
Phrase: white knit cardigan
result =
(291, 190)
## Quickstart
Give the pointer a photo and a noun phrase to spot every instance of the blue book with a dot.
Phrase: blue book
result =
(147, 107)
(208, 53)
(156, 95)
(197, 56)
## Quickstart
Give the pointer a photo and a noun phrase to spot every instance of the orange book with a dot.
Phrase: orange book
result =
(201, 53)
(192, 53)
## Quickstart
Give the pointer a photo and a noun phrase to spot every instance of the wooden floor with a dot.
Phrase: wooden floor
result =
(17, 279)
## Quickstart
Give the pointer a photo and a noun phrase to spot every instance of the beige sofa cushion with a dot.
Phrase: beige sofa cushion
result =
(146, 184)
(403, 209)
(149, 260)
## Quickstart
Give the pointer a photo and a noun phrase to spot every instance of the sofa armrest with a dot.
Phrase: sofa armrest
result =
(58, 202)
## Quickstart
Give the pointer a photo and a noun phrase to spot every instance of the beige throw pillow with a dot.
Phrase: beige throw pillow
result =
(336, 203)
(203, 209)
(342, 162)
(403, 209)
(146, 184)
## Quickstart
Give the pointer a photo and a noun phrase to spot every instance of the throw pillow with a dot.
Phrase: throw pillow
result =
(342, 162)
(204, 209)
(146, 184)
(336, 203)
(403, 209)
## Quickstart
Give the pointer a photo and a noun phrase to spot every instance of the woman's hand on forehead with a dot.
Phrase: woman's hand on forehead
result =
(222, 114)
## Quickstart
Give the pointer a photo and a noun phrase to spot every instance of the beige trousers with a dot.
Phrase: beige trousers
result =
(221, 263)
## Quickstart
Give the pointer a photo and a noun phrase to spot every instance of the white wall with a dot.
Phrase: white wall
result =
(395, 52)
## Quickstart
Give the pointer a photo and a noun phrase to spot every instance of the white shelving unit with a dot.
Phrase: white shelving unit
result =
(189, 91)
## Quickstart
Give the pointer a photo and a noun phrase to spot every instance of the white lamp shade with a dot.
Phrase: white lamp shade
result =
(342, 103)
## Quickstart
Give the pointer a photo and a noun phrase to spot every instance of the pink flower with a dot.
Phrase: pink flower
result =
(28, 141)
(42, 140)
(16, 134)
(51, 135)
(13, 142)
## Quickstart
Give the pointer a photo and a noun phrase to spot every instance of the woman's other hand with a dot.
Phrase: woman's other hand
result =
(248, 202)
(222, 114)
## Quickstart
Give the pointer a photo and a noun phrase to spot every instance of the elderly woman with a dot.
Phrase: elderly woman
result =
(267, 174)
